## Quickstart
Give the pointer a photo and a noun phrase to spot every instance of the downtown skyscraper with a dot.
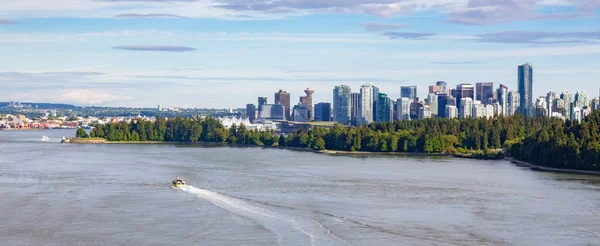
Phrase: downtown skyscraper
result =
(403, 108)
(365, 115)
(409, 92)
(355, 109)
(307, 100)
(463, 91)
(526, 89)
(342, 104)
(514, 102)
(384, 108)
(503, 98)
(485, 91)
(283, 98)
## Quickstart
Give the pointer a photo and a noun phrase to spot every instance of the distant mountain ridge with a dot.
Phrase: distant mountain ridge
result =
(44, 105)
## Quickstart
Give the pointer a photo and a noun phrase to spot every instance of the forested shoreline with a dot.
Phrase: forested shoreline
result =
(541, 141)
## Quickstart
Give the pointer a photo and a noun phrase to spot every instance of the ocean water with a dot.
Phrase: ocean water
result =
(67, 194)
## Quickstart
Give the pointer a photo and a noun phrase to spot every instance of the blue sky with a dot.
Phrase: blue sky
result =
(226, 53)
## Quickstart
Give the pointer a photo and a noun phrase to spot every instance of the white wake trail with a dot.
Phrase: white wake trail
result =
(290, 230)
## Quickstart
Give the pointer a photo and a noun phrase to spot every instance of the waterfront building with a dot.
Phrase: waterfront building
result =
(355, 109)
(433, 103)
(301, 113)
(451, 112)
(261, 101)
(308, 101)
(365, 115)
(160, 108)
(251, 112)
(323, 111)
(283, 98)
(409, 92)
(503, 98)
(271, 112)
(525, 75)
(403, 108)
(384, 108)
(466, 108)
(463, 91)
(485, 91)
(342, 104)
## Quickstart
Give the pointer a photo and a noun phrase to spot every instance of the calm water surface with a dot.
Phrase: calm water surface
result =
(60, 194)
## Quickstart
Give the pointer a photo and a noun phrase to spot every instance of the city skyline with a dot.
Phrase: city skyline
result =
(443, 101)
(187, 53)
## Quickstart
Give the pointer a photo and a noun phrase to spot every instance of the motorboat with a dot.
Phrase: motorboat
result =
(178, 182)
(45, 138)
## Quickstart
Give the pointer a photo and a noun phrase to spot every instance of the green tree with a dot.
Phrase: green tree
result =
(319, 144)
(81, 133)
(282, 141)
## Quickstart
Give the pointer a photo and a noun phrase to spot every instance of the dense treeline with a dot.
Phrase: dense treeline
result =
(565, 145)
(182, 130)
(541, 141)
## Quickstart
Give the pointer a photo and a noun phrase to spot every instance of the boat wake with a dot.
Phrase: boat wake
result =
(290, 229)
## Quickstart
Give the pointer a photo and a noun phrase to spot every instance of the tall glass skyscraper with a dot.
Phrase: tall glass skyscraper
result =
(526, 89)
(384, 108)
(355, 108)
(366, 104)
(342, 104)
(375, 101)
(442, 101)
(409, 92)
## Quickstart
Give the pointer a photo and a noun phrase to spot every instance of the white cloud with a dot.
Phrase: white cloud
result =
(459, 11)
(75, 96)
(88, 96)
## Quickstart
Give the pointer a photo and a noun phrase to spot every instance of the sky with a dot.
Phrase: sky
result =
(226, 53)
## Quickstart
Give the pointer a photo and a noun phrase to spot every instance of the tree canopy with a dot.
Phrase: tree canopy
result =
(542, 141)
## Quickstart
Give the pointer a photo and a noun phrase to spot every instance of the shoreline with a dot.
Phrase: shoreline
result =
(23, 129)
(550, 169)
(348, 153)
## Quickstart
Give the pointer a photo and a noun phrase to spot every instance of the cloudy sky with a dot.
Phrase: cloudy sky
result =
(226, 53)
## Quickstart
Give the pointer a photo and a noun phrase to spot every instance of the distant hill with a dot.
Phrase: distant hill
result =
(44, 105)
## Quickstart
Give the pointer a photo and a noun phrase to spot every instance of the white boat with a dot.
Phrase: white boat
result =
(45, 138)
